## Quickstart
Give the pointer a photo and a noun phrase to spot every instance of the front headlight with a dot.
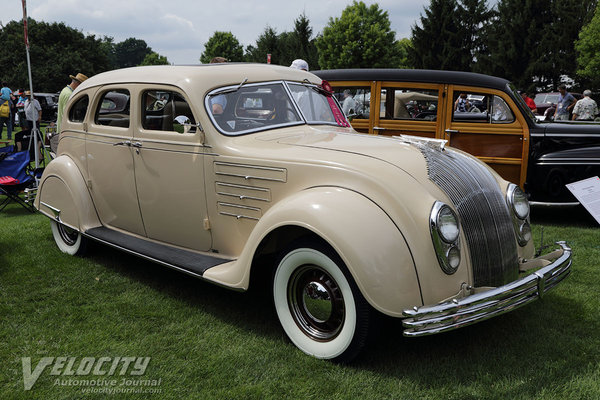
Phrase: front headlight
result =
(518, 201)
(444, 228)
(519, 207)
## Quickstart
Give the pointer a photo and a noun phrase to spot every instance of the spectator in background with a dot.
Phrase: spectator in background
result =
(565, 104)
(462, 103)
(65, 94)
(529, 101)
(6, 98)
(585, 109)
(21, 108)
(299, 64)
(349, 104)
(218, 102)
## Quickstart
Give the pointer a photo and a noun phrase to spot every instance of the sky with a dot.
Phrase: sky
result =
(178, 29)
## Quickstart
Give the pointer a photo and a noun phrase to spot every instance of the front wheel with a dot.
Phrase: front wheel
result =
(318, 304)
(68, 240)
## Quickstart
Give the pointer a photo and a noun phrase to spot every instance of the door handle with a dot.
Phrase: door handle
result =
(124, 143)
(136, 144)
(449, 131)
(378, 128)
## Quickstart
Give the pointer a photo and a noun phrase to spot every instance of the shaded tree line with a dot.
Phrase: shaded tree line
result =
(57, 51)
(533, 43)
(529, 42)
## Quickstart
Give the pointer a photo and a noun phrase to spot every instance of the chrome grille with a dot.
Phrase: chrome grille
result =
(483, 213)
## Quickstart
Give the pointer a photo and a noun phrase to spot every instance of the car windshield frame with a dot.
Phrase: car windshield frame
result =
(517, 98)
(293, 107)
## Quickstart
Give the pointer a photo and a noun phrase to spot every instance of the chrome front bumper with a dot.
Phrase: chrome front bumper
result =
(459, 312)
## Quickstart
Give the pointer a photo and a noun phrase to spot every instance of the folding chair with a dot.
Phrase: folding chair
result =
(17, 179)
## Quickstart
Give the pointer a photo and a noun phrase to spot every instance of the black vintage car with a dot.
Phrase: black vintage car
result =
(494, 124)
(49, 104)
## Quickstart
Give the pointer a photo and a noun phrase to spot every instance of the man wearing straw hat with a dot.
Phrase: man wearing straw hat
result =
(65, 94)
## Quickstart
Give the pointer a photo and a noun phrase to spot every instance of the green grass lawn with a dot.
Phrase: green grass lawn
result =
(208, 342)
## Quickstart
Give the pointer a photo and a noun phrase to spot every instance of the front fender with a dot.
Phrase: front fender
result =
(367, 240)
(63, 195)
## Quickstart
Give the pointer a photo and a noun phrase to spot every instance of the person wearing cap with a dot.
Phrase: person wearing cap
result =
(65, 94)
(585, 109)
(299, 64)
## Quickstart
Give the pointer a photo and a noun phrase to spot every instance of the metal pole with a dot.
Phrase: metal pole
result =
(34, 131)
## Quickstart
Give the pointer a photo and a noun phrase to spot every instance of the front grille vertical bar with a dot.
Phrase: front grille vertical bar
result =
(483, 213)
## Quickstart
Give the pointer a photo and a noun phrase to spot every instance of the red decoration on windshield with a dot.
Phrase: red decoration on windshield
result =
(327, 87)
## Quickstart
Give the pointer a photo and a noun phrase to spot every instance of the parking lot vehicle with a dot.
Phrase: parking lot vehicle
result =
(499, 128)
(49, 104)
(546, 103)
(275, 180)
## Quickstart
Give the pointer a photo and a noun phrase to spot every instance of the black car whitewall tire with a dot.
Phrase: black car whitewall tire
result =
(68, 240)
(318, 304)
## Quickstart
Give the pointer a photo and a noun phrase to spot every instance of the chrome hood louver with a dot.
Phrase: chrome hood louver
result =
(482, 209)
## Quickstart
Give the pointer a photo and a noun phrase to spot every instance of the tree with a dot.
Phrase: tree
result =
(222, 44)
(56, 51)
(131, 52)
(404, 49)
(360, 38)
(588, 54)
(450, 35)
(531, 42)
(302, 44)
(154, 58)
(267, 43)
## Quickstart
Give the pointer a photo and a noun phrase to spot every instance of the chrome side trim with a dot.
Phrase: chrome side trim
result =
(459, 312)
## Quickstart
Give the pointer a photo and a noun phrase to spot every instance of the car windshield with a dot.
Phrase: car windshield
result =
(246, 108)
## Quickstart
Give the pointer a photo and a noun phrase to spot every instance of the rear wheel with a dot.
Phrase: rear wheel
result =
(68, 240)
(319, 305)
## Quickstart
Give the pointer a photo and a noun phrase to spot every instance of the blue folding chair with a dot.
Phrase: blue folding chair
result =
(17, 179)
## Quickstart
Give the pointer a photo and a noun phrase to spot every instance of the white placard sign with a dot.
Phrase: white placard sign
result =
(587, 192)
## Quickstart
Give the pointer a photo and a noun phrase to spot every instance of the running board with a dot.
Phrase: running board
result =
(183, 260)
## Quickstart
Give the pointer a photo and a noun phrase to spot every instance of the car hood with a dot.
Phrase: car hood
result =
(395, 151)
(570, 129)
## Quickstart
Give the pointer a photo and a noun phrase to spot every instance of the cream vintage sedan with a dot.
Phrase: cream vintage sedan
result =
(220, 171)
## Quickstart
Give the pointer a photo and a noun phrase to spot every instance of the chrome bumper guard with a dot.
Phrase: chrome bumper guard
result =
(459, 312)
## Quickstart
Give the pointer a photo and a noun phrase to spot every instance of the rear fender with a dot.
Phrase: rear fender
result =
(63, 195)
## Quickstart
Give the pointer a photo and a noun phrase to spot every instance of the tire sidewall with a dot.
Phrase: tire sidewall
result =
(291, 261)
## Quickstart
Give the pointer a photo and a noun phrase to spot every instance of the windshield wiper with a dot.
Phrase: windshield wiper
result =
(231, 90)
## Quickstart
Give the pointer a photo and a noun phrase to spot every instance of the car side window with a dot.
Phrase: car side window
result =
(481, 108)
(408, 104)
(164, 110)
(79, 109)
(113, 109)
(355, 100)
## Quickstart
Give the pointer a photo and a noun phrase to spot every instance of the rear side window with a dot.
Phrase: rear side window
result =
(113, 109)
(481, 108)
(164, 110)
(79, 109)
(411, 104)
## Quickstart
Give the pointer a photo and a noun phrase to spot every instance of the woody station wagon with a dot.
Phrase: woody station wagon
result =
(494, 124)
(226, 170)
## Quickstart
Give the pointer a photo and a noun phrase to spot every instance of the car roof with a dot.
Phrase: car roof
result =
(413, 75)
(203, 75)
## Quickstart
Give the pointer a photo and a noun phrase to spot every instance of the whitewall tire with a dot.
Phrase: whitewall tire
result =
(318, 304)
(68, 240)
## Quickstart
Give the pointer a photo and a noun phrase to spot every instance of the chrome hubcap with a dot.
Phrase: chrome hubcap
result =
(68, 235)
(316, 303)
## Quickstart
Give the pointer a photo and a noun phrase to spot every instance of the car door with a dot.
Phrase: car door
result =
(489, 125)
(110, 160)
(169, 169)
